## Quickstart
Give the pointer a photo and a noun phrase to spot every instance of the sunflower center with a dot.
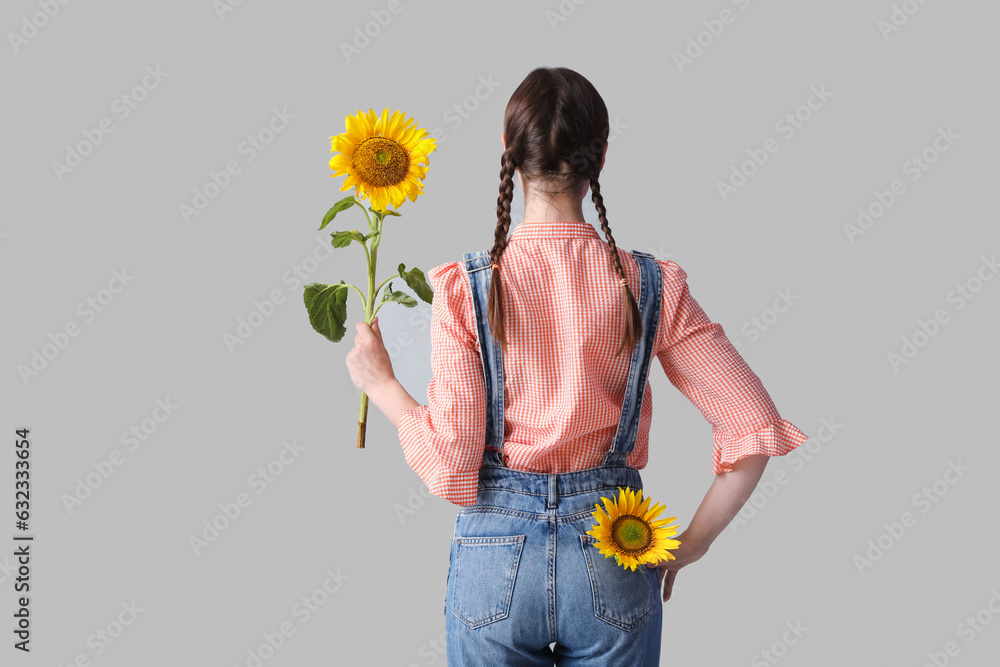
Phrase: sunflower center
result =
(380, 161)
(631, 534)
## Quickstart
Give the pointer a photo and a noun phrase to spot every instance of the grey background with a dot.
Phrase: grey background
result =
(336, 507)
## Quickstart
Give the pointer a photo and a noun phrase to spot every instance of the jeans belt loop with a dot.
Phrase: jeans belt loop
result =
(552, 491)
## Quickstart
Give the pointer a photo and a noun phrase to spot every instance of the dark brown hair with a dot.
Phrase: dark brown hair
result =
(555, 117)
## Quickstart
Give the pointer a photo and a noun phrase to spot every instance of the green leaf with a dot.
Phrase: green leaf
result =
(327, 306)
(342, 205)
(343, 239)
(398, 297)
(417, 282)
(390, 212)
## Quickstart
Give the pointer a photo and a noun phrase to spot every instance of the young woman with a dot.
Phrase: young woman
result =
(534, 412)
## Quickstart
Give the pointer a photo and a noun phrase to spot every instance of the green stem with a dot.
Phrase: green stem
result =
(369, 316)
(360, 293)
(368, 258)
(372, 260)
(379, 288)
(369, 218)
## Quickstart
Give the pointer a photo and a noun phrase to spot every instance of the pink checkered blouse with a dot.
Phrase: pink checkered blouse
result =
(564, 387)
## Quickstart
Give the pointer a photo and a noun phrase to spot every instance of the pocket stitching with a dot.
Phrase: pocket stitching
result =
(586, 543)
(505, 540)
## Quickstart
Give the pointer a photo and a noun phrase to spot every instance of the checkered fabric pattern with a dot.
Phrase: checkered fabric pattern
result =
(564, 388)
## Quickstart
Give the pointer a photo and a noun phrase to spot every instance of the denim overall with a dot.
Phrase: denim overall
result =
(523, 573)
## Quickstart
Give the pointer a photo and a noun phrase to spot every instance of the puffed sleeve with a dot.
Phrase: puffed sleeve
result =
(702, 363)
(444, 440)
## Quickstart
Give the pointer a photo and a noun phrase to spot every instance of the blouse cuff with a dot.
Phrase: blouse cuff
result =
(460, 488)
(777, 439)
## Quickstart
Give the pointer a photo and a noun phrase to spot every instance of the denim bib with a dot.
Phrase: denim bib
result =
(478, 268)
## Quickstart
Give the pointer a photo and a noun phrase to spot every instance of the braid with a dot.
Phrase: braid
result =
(495, 299)
(631, 319)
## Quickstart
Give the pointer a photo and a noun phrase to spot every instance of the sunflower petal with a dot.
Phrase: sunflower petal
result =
(612, 508)
(366, 122)
(654, 511)
(623, 500)
(642, 507)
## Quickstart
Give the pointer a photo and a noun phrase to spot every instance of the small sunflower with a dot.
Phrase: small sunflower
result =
(382, 157)
(627, 530)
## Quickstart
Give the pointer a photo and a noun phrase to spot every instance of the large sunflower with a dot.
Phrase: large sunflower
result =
(628, 532)
(382, 157)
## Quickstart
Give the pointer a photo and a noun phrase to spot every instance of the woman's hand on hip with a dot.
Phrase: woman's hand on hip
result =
(688, 552)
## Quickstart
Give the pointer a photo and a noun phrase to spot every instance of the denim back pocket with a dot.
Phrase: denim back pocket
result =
(622, 597)
(485, 570)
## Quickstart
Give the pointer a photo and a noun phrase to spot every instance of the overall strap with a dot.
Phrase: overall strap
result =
(479, 270)
(649, 300)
